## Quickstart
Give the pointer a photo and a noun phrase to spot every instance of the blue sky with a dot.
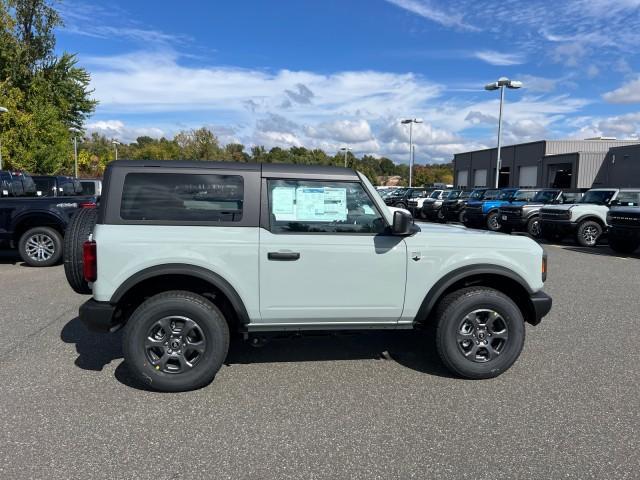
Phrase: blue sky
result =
(332, 73)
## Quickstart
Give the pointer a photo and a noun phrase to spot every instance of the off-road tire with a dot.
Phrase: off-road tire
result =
(173, 304)
(588, 233)
(452, 311)
(47, 235)
(534, 227)
(78, 231)
(491, 218)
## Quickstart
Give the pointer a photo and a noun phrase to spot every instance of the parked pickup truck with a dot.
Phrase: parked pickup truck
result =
(587, 218)
(183, 253)
(525, 216)
(486, 212)
(36, 225)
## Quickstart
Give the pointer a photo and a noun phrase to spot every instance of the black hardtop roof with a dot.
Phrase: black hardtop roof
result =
(281, 170)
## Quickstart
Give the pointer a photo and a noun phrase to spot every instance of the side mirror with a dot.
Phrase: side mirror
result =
(401, 223)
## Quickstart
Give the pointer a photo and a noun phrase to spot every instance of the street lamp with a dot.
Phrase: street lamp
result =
(115, 146)
(346, 151)
(411, 121)
(75, 132)
(2, 110)
(500, 84)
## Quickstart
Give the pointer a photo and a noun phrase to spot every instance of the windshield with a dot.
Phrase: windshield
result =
(436, 194)
(524, 195)
(477, 194)
(454, 194)
(506, 195)
(398, 192)
(599, 197)
(546, 196)
(465, 194)
(491, 194)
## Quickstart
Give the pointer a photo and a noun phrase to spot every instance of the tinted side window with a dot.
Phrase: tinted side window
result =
(322, 207)
(46, 186)
(182, 197)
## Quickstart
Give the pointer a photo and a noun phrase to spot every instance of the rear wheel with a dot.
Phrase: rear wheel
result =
(40, 246)
(588, 233)
(176, 341)
(79, 229)
(400, 205)
(493, 222)
(621, 245)
(480, 332)
(534, 227)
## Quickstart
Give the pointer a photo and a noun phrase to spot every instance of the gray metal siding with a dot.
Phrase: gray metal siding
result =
(555, 147)
(620, 168)
(589, 164)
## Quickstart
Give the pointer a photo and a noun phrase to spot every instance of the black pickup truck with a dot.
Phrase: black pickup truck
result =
(35, 225)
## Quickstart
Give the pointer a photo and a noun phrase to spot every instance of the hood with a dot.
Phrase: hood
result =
(561, 207)
(632, 211)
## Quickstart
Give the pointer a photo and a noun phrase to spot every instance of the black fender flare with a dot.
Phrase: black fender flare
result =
(592, 217)
(188, 270)
(26, 215)
(451, 278)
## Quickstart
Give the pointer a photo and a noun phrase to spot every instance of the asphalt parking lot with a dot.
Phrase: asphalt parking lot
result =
(375, 405)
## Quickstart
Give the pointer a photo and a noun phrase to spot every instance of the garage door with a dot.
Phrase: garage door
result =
(463, 178)
(528, 176)
(480, 178)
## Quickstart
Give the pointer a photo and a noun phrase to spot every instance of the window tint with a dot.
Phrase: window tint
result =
(88, 188)
(599, 197)
(524, 195)
(321, 207)
(182, 197)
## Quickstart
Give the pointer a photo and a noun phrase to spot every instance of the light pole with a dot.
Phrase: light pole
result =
(2, 110)
(500, 84)
(346, 151)
(75, 132)
(411, 121)
(115, 146)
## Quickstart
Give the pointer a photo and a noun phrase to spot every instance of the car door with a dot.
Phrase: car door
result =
(326, 256)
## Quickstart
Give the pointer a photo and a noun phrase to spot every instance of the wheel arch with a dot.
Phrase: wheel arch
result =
(36, 219)
(591, 217)
(161, 278)
(493, 276)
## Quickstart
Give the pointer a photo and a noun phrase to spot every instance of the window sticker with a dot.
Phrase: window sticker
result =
(309, 204)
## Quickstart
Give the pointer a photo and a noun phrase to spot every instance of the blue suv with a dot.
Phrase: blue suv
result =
(486, 212)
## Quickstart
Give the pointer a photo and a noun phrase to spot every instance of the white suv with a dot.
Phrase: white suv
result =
(183, 253)
(587, 218)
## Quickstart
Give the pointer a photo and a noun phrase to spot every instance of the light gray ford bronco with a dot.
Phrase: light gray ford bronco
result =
(184, 253)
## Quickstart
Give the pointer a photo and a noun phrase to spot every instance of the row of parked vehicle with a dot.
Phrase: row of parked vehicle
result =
(36, 210)
(550, 213)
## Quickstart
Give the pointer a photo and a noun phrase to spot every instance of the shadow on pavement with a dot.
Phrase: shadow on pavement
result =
(601, 250)
(411, 349)
(11, 257)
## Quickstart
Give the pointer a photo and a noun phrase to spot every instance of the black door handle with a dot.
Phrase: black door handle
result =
(283, 256)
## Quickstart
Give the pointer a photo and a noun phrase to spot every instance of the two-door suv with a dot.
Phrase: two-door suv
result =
(183, 253)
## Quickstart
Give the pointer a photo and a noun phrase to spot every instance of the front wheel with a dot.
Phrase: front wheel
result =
(400, 205)
(534, 227)
(480, 332)
(493, 222)
(40, 246)
(176, 341)
(588, 233)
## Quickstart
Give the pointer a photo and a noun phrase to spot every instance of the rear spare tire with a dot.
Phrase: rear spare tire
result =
(79, 229)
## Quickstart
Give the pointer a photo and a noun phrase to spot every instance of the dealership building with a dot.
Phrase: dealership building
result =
(569, 164)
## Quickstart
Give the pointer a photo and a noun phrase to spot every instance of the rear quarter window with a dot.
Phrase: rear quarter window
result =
(182, 197)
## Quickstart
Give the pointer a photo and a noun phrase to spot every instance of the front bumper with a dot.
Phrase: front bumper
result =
(558, 226)
(624, 233)
(516, 222)
(98, 316)
(541, 303)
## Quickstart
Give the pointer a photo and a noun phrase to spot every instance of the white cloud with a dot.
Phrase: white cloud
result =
(627, 93)
(117, 129)
(499, 58)
(426, 9)
(347, 131)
